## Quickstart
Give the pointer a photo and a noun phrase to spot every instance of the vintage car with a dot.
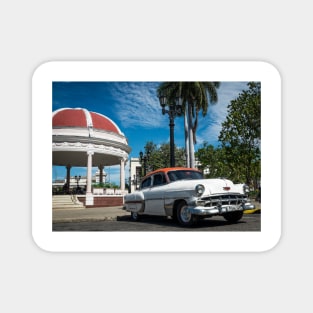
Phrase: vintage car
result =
(186, 196)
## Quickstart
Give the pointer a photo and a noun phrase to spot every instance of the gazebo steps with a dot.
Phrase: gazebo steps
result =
(66, 202)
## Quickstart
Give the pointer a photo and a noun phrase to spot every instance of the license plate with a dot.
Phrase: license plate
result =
(231, 208)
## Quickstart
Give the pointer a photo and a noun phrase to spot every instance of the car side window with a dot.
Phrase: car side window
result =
(146, 183)
(159, 179)
(172, 176)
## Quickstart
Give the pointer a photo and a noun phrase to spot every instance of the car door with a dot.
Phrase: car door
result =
(154, 196)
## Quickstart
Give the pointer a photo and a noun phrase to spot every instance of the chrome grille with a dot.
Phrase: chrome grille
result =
(224, 199)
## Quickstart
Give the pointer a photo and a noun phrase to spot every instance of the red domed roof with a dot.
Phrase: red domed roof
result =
(83, 118)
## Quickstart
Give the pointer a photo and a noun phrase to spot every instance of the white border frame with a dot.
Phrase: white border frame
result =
(264, 72)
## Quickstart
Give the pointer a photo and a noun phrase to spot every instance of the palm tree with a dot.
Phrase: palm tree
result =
(194, 97)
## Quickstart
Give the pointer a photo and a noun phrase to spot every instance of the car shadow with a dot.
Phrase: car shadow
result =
(168, 221)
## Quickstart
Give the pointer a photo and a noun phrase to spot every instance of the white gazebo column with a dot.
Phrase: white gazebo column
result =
(122, 175)
(89, 195)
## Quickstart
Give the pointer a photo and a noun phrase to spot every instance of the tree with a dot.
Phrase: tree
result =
(159, 156)
(212, 161)
(206, 156)
(241, 134)
(194, 97)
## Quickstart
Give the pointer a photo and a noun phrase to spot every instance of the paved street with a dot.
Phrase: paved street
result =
(249, 222)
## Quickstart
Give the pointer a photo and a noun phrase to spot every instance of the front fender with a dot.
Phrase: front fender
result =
(171, 203)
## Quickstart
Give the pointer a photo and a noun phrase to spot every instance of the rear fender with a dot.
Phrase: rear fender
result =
(134, 202)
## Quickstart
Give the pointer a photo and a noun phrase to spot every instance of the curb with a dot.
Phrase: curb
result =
(88, 219)
(79, 220)
(254, 211)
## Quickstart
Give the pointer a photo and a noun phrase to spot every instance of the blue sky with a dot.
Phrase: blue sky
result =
(135, 108)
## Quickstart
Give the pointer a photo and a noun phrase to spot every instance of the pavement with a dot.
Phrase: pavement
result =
(106, 213)
(88, 214)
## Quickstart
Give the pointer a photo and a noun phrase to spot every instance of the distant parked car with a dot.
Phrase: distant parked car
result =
(186, 196)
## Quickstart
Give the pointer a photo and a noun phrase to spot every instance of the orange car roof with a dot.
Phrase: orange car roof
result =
(167, 169)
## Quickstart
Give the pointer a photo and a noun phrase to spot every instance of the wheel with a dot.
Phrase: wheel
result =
(134, 216)
(184, 217)
(233, 217)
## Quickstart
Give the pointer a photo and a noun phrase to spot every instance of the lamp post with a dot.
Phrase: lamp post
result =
(77, 178)
(175, 109)
(135, 182)
(144, 159)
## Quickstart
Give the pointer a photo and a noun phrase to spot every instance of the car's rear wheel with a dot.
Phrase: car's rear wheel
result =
(134, 216)
(233, 217)
(184, 217)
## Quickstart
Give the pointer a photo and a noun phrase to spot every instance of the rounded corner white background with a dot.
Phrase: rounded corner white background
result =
(269, 236)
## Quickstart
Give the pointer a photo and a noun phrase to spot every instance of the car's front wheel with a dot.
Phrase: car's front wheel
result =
(233, 217)
(184, 217)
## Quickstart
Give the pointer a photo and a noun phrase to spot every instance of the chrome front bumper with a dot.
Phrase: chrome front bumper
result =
(219, 210)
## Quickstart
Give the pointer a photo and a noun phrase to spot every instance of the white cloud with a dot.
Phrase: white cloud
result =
(210, 126)
(137, 104)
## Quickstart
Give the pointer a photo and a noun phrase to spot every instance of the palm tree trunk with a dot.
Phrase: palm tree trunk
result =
(187, 139)
(191, 139)
(192, 150)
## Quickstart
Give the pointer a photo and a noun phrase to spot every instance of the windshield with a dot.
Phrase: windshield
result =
(184, 174)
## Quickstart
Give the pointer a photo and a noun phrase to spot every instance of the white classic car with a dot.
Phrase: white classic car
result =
(186, 196)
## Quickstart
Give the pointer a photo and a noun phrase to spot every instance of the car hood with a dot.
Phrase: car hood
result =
(212, 186)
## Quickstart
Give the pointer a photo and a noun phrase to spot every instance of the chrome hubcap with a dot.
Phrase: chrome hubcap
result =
(185, 214)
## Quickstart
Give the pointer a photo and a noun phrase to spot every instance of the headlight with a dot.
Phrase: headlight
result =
(246, 189)
(200, 190)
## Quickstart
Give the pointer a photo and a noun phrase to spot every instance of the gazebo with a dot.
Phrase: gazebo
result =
(87, 139)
